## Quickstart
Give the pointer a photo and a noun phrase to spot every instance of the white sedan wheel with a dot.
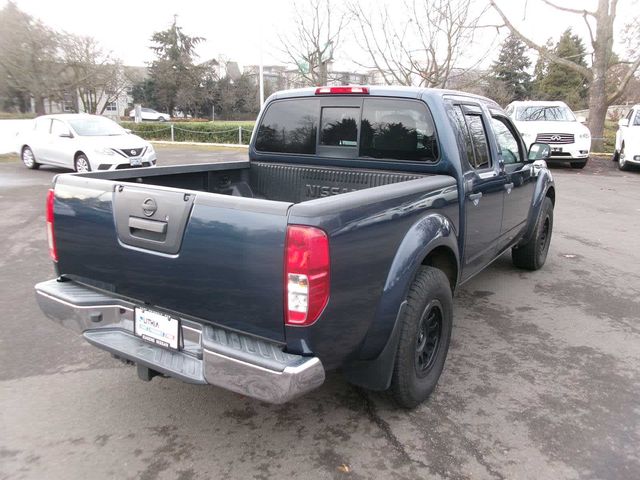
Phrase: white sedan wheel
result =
(27, 157)
(82, 164)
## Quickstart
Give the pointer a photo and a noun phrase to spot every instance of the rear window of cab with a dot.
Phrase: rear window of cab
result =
(381, 128)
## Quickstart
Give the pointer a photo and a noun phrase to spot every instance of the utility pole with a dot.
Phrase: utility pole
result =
(261, 71)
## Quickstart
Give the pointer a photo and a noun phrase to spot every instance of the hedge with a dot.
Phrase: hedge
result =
(205, 132)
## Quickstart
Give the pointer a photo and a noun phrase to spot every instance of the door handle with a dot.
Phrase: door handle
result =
(136, 223)
(508, 187)
(475, 197)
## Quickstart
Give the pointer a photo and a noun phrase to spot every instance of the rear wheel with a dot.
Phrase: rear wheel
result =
(580, 164)
(82, 163)
(533, 254)
(29, 159)
(425, 333)
(616, 156)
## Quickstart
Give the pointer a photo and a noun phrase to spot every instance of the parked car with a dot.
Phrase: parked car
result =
(555, 124)
(149, 114)
(82, 143)
(627, 148)
(338, 245)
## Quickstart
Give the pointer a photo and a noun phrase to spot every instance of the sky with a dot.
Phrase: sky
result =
(239, 30)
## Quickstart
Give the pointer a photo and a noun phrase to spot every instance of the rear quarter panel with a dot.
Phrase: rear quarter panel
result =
(366, 230)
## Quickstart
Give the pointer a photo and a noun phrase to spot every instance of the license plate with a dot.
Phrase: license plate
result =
(156, 328)
(135, 162)
(556, 149)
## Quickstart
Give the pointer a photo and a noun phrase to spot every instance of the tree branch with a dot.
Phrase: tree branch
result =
(570, 10)
(540, 49)
(623, 83)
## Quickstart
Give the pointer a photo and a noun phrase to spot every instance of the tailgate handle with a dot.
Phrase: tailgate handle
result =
(136, 223)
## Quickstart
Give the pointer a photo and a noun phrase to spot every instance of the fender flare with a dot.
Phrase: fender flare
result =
(374, 368)
(544, 184)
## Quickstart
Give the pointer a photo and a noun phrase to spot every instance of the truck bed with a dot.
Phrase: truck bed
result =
(208, 240)
(269, 181)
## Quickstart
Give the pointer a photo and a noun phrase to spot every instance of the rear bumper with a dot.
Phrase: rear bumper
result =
(209, 355)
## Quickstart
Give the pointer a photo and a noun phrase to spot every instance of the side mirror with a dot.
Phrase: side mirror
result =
(623, 122)
(539, 151)
(581, 119)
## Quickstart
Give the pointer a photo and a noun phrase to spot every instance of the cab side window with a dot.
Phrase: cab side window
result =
(482, 159)
(475, 135)
(508, 144)
(636, 121)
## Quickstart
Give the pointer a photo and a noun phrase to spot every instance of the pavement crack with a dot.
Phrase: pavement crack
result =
(375, 418)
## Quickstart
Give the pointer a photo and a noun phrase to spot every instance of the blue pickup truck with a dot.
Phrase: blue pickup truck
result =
(338, 245)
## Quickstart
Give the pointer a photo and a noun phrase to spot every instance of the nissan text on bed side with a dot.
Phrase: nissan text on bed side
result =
(337, 245)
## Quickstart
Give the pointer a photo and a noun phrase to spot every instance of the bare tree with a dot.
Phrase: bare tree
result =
(98, 78)
(600, 25)
(425, 48)
(30, 56)
(317, 36)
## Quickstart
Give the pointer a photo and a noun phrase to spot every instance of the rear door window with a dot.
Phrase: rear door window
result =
(42, 125)
(481, 159)
(289, 127)
(59, 128)
(397, 129)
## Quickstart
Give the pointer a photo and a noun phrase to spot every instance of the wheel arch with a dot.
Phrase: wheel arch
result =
(431, 241)
(545, 188)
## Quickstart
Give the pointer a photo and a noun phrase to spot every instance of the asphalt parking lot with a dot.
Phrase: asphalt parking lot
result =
(542, 380)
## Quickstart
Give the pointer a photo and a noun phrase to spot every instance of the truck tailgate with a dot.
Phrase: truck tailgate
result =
(213, 257)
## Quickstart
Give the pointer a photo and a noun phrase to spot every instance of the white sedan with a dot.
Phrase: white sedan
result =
(553, 123)
(83, 143)
(149, 114)
(627, 150)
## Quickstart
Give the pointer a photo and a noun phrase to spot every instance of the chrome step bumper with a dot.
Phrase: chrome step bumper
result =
(209, 355)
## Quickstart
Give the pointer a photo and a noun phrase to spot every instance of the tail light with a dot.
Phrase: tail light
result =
(53, 252)
(342, 90)
(306, 274)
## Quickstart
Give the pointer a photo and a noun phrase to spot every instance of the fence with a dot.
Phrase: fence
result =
(201, 132)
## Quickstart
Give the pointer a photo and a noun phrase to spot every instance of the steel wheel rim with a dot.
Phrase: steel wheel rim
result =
(27, 157)
(544, 235)
(82, 165)
(428, 338)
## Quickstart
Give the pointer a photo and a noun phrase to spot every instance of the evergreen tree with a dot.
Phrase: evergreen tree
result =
(557, 82)
(510, 71)
(174, 72)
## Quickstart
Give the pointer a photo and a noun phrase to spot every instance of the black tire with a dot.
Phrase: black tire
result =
(622, 164)
(616, 156)
(28, 158)
(533, 254)
(162, 119)
(78, 163)
(580, 164)
(425, 324)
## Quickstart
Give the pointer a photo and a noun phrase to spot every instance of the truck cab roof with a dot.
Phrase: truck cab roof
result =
(385, 91)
